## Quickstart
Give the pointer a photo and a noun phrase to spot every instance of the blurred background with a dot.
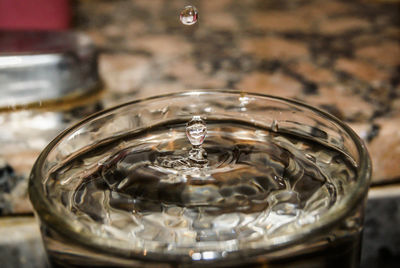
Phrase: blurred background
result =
(341, 56)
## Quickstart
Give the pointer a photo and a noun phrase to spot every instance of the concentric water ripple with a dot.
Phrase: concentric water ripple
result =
(255, 185)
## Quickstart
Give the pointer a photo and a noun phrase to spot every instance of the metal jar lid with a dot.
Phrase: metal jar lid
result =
(40, 66)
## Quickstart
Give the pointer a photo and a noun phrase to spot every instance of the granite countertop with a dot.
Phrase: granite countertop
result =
(341, 56)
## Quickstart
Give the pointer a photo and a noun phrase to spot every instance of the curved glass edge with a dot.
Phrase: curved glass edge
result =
(48, 214)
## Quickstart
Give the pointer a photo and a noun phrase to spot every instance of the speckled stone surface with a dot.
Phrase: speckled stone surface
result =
(381, 239)
(341, 56)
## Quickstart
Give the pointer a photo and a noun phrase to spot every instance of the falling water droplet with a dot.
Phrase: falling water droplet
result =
(196, 131)
(189, 15)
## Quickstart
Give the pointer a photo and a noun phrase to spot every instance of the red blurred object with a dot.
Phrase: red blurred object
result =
(35, 14)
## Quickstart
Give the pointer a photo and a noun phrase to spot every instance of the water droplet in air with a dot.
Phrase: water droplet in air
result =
(196, 131)
(189, 15)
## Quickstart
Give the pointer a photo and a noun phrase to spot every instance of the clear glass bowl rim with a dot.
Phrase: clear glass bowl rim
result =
(49, 215)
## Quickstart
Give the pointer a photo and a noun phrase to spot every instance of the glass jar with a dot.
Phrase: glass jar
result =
(283, 185)
(48, 80)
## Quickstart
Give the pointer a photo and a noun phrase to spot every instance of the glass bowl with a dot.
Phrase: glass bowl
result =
(329, 231)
